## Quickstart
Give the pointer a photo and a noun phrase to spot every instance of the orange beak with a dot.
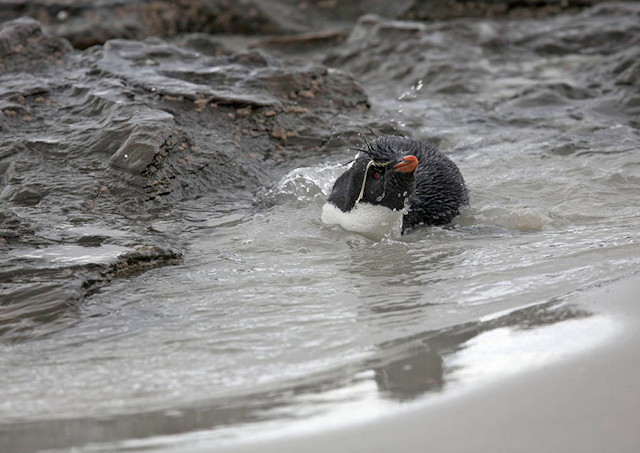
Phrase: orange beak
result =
(408, 164)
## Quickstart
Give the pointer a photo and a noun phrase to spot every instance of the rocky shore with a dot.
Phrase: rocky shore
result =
(156, 115)
(86, 23)
(97, 144)
(145, 220)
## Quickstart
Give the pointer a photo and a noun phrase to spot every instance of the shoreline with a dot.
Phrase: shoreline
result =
(588, 401)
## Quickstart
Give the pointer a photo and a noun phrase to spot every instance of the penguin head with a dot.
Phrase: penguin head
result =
(382, 174)
(384, 183)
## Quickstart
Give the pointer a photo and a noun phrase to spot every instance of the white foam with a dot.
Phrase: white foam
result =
(365, 218)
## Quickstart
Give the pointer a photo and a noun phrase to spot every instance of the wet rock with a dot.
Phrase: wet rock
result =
(22, 44)
(461, 58)
(40, 299)
(597, 31)
(21, 196)
(442, 58)
(168, 70)
(39, 306)
(150, 130)
(99, 145)
(86, 23)
(426, 10)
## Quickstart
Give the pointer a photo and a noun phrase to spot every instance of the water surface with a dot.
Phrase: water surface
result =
(275, 320)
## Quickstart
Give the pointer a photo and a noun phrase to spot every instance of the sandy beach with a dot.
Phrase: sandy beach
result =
(588, 402)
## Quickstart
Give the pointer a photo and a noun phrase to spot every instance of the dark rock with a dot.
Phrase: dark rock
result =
(456, 57)
(379, 51)
(578, 35)
(168, 70)
(426, 10)
(98, 145)
(22, 44)
(150, 129)
(87, 23)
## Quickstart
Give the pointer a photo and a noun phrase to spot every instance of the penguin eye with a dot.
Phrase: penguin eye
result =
(376, 175)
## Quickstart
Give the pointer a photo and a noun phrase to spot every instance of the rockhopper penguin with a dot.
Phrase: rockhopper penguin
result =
(395, 184)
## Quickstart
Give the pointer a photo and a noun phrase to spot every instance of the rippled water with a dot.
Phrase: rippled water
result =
(275, 318)
(272, 309)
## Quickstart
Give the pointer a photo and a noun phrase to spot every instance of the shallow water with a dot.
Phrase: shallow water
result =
(274, 320)
(273, 313)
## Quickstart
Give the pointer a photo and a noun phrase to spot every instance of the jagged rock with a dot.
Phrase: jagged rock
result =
(380, 50)
(455, 58)
(98, 144)
(86, 23)
(151, 129)
(22, 44)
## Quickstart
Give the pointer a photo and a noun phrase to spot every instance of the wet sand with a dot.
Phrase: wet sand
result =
(589, 402)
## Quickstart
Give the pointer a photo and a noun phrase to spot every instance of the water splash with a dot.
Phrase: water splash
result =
(304, 185)
(412, 93)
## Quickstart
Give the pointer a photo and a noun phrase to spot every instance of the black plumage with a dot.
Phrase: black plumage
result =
(433, 194)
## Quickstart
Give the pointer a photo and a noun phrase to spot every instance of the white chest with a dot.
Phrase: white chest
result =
(365, 218)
